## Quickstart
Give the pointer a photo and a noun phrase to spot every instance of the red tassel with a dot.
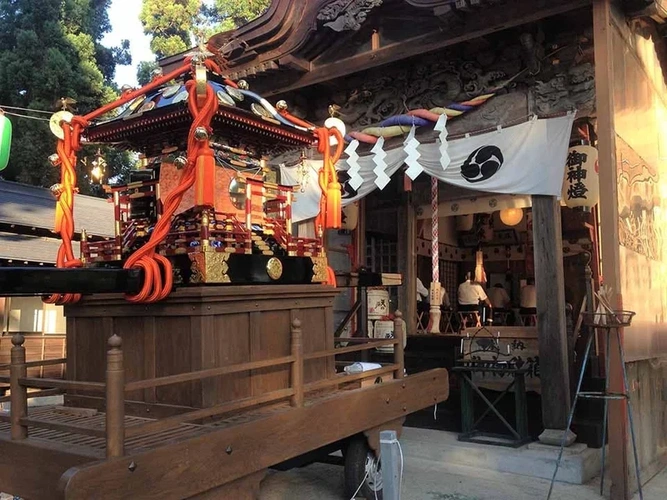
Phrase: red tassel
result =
(334, 206)
(205, 187)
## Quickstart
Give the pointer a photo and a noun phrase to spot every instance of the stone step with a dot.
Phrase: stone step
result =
(578, 465)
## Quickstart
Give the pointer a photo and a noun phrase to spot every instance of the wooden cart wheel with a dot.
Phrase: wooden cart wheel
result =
(361, 464)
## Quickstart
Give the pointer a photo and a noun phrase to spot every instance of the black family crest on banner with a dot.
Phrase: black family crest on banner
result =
(482, 164)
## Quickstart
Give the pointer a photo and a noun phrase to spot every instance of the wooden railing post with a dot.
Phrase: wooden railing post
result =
(399, 335)
(297, 365)
(19, 393)
(115, 392)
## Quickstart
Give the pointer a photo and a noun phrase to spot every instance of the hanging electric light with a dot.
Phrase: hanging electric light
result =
(511, 216)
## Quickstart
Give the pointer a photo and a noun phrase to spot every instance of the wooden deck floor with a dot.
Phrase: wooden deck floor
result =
(95, 446)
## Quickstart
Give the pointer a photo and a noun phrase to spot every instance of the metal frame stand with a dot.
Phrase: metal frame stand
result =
(605, 322)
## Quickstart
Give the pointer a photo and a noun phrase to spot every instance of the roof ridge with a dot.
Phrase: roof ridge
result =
(21, 187)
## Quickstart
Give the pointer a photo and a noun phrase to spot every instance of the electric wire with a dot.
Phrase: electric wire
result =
(32, 110)
(354, 495)
(400, 477)
(25, 116)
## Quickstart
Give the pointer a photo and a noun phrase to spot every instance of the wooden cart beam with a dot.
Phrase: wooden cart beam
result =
(223, 456)
(16, 281)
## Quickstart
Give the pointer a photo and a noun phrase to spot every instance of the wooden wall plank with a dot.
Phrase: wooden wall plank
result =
(172, 356)
(226, 341)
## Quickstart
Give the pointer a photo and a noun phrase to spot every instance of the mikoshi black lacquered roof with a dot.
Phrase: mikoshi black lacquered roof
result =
(161, 119)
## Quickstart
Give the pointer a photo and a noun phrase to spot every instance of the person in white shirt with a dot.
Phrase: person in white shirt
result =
(528, 301)
(423, 294)
(471, 294)
(499, 298)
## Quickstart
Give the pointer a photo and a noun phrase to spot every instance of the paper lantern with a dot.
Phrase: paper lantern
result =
(350, 216)
(511, 216)
(581, 185)
(5, 140)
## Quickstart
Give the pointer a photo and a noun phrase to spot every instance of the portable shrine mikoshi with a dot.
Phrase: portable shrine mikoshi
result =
(217, 322)
(206, 208)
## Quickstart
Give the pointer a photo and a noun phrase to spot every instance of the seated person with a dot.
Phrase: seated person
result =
(528, 301)
(444, 299)
(422, 297)
(471, 295)
(499, 298)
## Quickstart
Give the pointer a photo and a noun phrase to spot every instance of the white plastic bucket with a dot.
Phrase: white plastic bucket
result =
(378, 303)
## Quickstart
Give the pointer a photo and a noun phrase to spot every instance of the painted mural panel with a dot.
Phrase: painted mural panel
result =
(641, 168)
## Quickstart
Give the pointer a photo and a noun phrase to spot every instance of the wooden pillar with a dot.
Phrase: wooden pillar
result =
(605, 72)
(297, 364)
(399, 335)
(407, 262)
(551, 323)
(115, 417)
(19, 394)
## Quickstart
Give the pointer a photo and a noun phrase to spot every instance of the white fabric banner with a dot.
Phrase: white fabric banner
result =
(524, 159)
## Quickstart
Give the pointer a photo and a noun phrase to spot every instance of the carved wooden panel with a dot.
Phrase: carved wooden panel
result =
(530, 72)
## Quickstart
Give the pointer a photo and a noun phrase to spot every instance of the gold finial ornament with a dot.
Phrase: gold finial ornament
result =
(281, 105)
(243, 84)
(66, 103)
(201, 53)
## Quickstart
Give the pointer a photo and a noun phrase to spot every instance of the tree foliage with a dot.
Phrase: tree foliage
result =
(145, 71)
(170, 24)
(231, 14)
(51, 49)
(174, 25)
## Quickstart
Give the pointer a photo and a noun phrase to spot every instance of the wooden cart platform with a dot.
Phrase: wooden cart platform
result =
(198, 396)
(215, 458)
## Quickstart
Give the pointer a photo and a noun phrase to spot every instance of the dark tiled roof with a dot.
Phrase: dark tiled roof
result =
(20, 248)
(35, 207)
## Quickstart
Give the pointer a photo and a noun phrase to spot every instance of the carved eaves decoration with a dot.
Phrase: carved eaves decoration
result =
(564, 81)
(344, 15)
(287, 40)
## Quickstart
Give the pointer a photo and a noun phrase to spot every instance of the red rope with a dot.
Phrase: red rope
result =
(158, 279)
(154, 265)
(67, 147)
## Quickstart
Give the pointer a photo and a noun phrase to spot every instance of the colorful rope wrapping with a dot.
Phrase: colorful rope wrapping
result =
(395, 126)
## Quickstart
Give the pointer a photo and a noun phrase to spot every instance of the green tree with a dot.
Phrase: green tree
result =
(174, 25)
(145, 71)
(51, 49)
(231, 14)
(170, 23)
